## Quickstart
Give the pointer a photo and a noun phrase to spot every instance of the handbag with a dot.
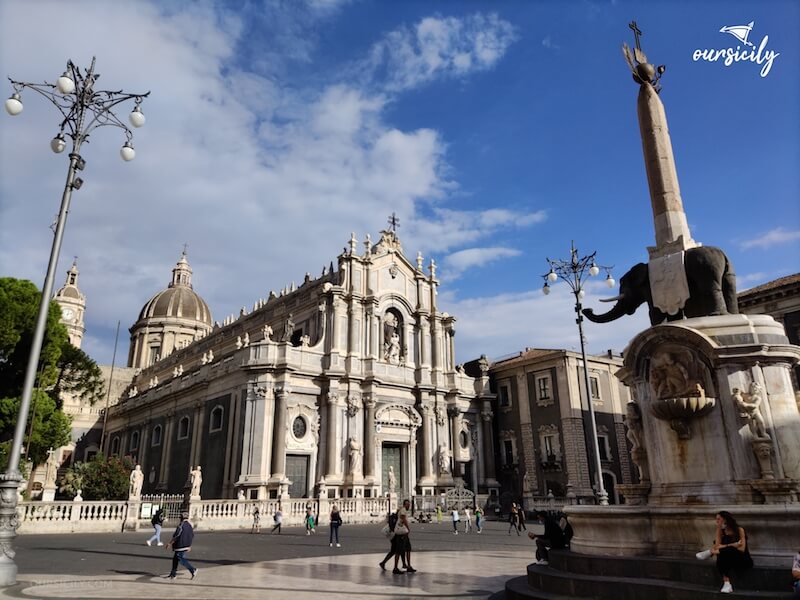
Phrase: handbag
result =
(387, 531)
(400, 530)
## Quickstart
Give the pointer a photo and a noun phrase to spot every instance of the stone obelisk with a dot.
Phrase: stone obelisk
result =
(671, 228)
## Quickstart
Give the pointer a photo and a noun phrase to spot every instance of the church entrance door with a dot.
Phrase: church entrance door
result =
(297, 473)
(393, 457)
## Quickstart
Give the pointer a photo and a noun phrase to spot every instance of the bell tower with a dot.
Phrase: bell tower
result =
(73, 306)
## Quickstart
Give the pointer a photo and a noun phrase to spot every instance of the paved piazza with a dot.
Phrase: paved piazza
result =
(238, 564)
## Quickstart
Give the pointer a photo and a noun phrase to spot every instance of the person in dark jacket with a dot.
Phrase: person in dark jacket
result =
(553, 537)
(181, 543)
(157, 521)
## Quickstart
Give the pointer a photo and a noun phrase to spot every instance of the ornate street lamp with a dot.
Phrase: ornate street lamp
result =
(575, 271)
(84, 109)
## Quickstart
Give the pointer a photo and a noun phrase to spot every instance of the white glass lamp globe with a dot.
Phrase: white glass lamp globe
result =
(546, 289)
(581, 294)
(594, 270)
(14, 105)
(65, 84)
(127, 152)
(57, 144)
(552, 276)
(610, 281)
(136, 117)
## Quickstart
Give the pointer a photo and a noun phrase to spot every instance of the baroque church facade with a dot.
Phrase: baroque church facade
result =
(345, 386)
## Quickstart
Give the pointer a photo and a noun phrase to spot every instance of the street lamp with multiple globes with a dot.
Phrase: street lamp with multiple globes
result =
(84, 109)
(575, 271)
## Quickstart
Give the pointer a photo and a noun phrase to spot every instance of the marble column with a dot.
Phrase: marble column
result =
(331, 441)
(369, 436)
(143, 446)
(166, 448)
(488, 446)
(427, 458)
(279, 440)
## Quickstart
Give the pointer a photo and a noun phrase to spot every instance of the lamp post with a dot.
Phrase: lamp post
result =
(84, 109)
(575, 271)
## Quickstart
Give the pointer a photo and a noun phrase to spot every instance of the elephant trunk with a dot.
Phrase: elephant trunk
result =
(616, 312)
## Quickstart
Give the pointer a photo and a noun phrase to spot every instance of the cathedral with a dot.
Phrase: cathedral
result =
(346, 384)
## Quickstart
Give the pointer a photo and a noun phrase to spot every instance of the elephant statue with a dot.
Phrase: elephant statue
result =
(712, 289)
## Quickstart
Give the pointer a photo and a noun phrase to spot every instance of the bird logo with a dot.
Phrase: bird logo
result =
(740, 32)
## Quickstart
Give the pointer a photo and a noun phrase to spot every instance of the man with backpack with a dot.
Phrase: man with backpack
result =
(158, 522)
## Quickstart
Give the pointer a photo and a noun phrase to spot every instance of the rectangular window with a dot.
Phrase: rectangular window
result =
(602, 444)
(154, 354)
(594, 382)
(504, 399)
(508, 447)
(543, 388)
(548, 446)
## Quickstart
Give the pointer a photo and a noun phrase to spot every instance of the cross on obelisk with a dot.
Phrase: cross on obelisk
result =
(394, 222)
(636, 33)
(185, 247)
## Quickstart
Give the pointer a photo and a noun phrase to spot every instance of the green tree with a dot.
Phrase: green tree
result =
(106, 478)
(19, 307)
(51, 427)
(78, 375)
(74, 479)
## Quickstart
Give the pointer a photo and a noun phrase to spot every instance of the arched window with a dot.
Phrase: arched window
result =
(215, 421)
(135, 440)
(115, 445)
(157, 431)
(183, 428)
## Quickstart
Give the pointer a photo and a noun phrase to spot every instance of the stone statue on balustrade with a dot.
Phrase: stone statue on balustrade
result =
(197, 480)
(51, 470)
(288, 329)
(136, 481)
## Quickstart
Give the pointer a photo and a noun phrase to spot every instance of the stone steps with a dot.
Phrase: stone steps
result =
(571, 575)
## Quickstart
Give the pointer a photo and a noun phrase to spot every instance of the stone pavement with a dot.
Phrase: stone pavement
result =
(238, 564)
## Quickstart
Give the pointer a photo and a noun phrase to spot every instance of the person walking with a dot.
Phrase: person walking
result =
(521, 518)
(403, 531)
(391, 521)
(513, 517)
(796, 574)
(336, 521)
(181, 543)
(310, 521)
(256, 528)
(478, 519)
(278, 520)
(467, 520)
(731, 549)
(456, 519)
(439, 514)
(158, 522)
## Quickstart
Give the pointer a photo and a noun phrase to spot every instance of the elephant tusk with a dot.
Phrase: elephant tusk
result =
(614, 299)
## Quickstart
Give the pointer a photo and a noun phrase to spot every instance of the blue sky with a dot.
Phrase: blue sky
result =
(497, 131)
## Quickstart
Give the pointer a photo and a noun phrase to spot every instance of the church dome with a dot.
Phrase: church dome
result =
(179, 300)
(170, 320)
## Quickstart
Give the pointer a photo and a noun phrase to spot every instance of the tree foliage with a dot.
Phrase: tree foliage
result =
(63, 369)
(103, 478)
(19, 307)
(51, 427)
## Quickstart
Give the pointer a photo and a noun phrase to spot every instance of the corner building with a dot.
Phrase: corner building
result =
(322, 388)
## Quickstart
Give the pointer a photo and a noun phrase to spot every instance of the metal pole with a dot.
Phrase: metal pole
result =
(601, 491)
(9, 481)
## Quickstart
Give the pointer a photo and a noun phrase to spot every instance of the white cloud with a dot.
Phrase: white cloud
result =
(440, 47)
(447, 228)
(458, 262)
(506, 323)
(773, 237)
(548, 43)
